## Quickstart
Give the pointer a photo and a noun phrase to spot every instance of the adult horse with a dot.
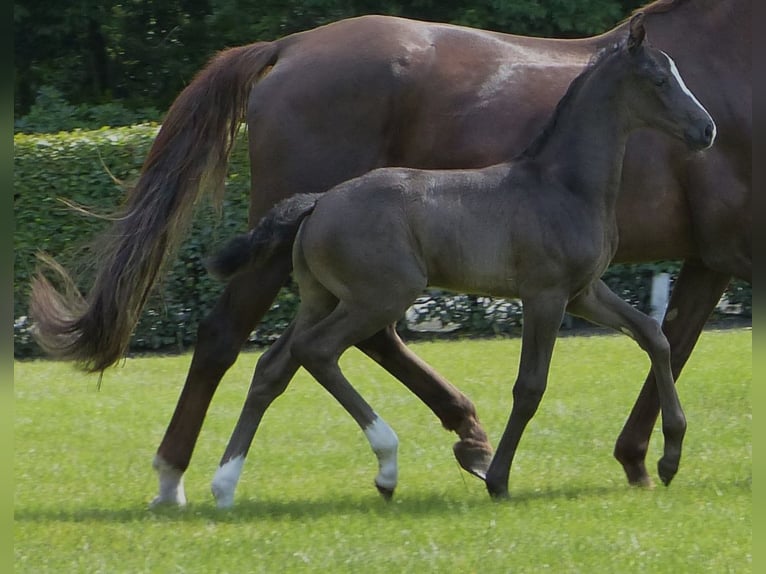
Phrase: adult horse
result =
(541, 227)
(335, 102)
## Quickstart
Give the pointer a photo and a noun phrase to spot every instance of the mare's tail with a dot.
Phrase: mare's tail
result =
(189, 156)
(274, 233)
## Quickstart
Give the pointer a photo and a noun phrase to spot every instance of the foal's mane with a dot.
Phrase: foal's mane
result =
(539, 142)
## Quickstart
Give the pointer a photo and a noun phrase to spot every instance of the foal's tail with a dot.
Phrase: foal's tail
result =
(274, 233)
(189, 156)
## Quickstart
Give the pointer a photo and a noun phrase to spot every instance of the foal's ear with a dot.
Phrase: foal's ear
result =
(637, 32)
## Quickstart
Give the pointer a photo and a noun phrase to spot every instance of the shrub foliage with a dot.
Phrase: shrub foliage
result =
(93, 169)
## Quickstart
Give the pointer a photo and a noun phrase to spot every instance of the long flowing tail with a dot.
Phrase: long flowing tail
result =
(189, 156)
(274, 233)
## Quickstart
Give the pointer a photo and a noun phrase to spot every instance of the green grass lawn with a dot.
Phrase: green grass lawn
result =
(306, 501)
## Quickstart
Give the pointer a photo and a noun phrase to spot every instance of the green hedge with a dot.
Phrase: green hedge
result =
(90, 168)
(86, 168)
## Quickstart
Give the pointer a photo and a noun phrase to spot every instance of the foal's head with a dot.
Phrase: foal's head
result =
(656, 95)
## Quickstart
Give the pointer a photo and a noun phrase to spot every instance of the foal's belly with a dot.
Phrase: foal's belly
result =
(475, 276)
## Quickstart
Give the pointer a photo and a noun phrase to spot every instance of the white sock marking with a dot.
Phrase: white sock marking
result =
(171, 484)
(225, 481)
(384, 443)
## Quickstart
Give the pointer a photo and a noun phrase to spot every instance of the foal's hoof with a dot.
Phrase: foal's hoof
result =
(644, 482)
(159, 502)
(498, 493)
(637, 475)
(667, 470)
(223, 499)
(473, 456)
(385, 492)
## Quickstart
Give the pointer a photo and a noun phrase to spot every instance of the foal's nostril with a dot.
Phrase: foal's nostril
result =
(710, 133)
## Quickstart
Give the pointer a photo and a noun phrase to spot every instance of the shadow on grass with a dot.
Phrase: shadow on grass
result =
(431, 504)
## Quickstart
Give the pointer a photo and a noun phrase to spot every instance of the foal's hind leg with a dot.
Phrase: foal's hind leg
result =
(274, 370)
(318, 350)
(456, 411)
(600, 305)
(219, 339)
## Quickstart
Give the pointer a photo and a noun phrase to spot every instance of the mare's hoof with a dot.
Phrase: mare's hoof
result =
(473, 456)
(666, 470)
(385, 492)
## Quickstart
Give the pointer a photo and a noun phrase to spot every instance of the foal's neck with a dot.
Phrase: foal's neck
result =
(586, 148)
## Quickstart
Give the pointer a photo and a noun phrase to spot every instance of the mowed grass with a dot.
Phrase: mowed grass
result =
(306, 502)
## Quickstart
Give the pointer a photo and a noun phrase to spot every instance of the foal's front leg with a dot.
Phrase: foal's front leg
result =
(599, 305)
(542, 319)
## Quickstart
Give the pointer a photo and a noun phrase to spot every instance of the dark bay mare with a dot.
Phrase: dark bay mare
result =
(333, 103)
(541, 228)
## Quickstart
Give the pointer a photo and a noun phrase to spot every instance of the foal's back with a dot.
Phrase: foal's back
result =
(475, 231)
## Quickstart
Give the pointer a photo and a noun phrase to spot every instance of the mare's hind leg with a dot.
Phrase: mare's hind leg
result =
(695, 294)
(219, 338)
(456, 411)
(274, 371)
(600, 305)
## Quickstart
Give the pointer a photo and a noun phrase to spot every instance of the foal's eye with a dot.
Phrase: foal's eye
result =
(659, 82)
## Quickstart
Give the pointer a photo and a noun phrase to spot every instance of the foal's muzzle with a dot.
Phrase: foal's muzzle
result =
(702, 135)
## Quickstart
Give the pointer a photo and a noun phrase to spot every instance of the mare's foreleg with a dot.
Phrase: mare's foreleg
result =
(219, 338)
(274, 371)
(599, 305)
(456, 411)
(542, 318)
(695, 294)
